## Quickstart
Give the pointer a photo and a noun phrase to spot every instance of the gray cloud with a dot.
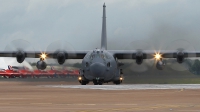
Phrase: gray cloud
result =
(78, 22)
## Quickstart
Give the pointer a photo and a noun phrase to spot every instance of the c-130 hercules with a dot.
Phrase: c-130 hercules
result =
(100, 65)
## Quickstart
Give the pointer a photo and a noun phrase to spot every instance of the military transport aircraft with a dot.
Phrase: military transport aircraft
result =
(100, 65)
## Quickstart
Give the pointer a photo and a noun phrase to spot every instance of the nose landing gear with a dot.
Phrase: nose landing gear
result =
(98, 81)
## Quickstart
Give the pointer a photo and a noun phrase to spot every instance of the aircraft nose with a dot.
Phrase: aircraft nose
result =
(98, 69)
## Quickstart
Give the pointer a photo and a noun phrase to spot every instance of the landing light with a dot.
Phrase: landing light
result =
(157, 56)
(43, 56)
(79, 78)
(120, 78)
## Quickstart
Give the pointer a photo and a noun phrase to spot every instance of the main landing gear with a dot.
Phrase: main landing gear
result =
(117, 82)
(98, 81)
(82, 80)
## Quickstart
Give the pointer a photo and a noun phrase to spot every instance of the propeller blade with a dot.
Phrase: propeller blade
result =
(19, 45)
(139, 46)
(59, 47)
(180, 45)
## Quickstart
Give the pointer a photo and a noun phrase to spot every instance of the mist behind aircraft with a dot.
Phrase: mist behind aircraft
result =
(78, 22)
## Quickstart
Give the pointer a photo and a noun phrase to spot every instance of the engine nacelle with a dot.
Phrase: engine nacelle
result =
(20, 56)
(61, 58)
(139, 58)
(41, 65)
(180, 57)
(160, 64)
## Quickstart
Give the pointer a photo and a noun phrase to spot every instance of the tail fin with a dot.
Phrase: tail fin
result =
(10, 67)
(104, 33)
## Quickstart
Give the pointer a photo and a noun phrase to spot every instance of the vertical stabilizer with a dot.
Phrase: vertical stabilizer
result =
(104, 34)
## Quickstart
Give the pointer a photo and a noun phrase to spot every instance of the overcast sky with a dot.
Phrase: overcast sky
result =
(79, 22)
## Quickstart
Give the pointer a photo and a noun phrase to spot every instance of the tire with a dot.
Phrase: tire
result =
(118, 82)
(83, 83)
(97, 83)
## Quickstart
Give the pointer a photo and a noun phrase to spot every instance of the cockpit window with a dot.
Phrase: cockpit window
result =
(92, 56)
(102, 56)
(88, 55)
(107, 55)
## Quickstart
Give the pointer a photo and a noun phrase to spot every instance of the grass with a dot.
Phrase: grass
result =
(162, 81)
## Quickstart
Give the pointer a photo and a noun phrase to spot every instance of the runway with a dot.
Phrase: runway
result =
(130, 86)
(69, 97)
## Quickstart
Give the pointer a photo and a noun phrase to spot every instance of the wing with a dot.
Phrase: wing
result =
(135, 54)
(68, 54)
(50, 54)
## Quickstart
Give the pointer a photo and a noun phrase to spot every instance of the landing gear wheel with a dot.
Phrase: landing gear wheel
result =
(117, 82)
(97, 82)
(100, 83)
(84, 82)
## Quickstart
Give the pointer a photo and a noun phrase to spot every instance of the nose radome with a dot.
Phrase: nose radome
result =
(98, 69)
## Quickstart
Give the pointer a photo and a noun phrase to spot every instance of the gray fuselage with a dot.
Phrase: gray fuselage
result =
(100, 64)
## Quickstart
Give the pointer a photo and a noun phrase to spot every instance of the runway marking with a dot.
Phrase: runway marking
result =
(181, 87)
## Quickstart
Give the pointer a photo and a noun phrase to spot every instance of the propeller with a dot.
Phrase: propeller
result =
(139, 65)
(60, 49)
(180, 47)
(19, 47)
